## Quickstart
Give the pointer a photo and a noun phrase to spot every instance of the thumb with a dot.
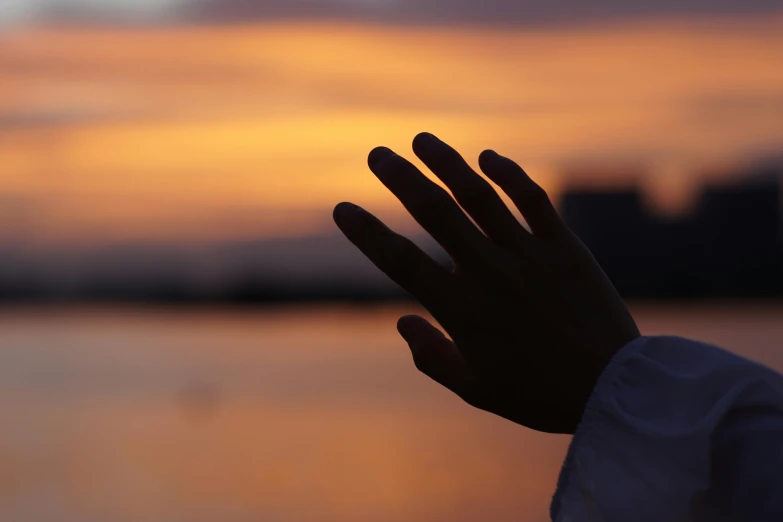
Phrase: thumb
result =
(436, 356)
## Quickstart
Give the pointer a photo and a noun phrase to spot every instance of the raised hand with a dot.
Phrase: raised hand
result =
(532, 317)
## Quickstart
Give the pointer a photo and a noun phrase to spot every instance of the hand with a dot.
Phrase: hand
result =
(533, 318)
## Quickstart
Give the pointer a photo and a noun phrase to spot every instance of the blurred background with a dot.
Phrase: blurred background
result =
(185, 337)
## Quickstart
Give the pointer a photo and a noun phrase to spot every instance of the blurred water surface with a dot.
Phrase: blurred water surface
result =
(294, 414)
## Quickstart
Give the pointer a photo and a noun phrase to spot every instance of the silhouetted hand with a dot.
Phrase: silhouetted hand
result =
(533, 318)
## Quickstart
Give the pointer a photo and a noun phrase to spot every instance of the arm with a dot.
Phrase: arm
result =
(667, 429)
(677, 430)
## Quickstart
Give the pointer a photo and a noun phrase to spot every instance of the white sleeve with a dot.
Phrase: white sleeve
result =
(676, 431)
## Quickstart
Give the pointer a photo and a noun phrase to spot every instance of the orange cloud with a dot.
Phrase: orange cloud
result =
(162, 132)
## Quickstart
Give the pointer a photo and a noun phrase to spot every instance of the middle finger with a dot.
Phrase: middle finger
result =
(431, 206)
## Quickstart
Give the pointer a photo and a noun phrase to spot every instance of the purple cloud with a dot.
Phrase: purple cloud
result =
(465, 11)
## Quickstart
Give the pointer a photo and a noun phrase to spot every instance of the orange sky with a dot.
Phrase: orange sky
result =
(203, 133)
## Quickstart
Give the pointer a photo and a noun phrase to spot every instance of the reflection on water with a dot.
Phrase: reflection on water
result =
(285, 415)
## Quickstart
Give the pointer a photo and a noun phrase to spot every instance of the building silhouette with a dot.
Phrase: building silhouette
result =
(729, 246)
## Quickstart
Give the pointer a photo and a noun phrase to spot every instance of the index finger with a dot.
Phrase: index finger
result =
(398, 257)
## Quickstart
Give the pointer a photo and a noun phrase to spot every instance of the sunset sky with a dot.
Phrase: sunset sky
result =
(167, 152)
(211, 131)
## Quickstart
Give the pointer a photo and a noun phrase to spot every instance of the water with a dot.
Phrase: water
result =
(278, 415)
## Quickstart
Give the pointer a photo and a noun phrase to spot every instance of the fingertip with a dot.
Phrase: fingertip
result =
(406, 326)
(425, 140)
(488, 156)
(342, 208)
(498, 167)
(343, 211)
(348, 216)
(378, 155)
(415, 328)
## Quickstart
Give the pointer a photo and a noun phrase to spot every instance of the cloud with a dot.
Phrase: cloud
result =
(21, 120)
(464, 11)
(400, 11)
(12, 11)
